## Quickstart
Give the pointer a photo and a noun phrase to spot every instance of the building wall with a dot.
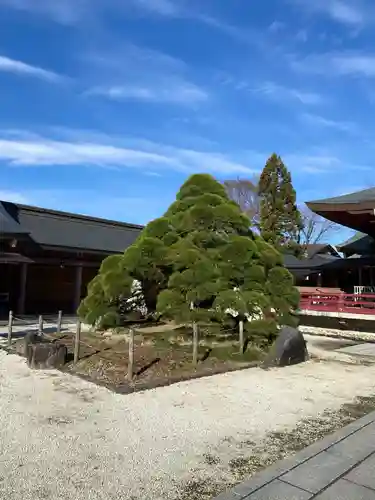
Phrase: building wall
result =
(9, 287)
(49, 288)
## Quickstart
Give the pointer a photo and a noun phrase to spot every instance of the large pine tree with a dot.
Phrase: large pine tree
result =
(280, 221)
(198, 262)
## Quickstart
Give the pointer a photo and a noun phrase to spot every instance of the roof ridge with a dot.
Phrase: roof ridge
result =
(71, 215)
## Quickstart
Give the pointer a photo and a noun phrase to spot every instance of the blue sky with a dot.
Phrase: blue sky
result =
(106, 106)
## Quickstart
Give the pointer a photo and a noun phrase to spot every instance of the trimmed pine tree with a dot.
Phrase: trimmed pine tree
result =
(200, 262)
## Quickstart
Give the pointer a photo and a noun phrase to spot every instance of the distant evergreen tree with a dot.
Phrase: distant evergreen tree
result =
(280, 221)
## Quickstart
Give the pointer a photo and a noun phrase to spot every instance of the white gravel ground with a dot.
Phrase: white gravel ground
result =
(62, 438)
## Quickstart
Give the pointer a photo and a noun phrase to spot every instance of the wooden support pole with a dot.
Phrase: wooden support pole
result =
(131, 354)
(10, 328)
(77, 287)
(77, 341)
(195, 343)
(241, 336)
(59, 322)
(22, 294)
(40, 325)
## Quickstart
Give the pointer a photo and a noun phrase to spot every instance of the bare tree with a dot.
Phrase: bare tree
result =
(316, 229)
(245, 193)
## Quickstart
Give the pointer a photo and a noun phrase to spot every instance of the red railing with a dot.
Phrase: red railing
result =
(338, 302)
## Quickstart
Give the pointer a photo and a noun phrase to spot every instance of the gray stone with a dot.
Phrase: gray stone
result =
(357, 446)
(344, 490)
(46, 355)
(278, 490)
(30, 338)
(289, 349)
(364, 474)
(319, 472)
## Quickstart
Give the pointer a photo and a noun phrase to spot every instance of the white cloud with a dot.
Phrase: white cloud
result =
(276, 27)
(14, 197)
(348, 64)
(321, 121)
(8, 65)
(62, 11)
(173, 92)
(162, 7)
(137, 73)
(279, 92)
(133, 153)
(344, 12)
(312, 163)
(337, 64)
(355, 13)
(107, 204)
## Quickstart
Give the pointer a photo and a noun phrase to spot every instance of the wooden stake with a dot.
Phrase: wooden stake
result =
(40, 325)
(77, 341)
(195, 343)
(10, 327)
(59, 322)
(242, 341)
(131, 355)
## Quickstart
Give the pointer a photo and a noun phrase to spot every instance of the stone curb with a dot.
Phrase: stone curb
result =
(265, 477)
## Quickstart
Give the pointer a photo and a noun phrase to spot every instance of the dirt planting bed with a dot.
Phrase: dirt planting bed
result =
(160, 358)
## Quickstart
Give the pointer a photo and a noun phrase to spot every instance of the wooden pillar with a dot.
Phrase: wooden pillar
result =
(319, 281)
(77, 287)
(22, 293)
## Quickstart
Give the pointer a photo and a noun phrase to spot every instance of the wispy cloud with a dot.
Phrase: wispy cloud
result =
(161, 7)
(106, 204)
(354, 13)
(321, 121)
(137, 73)
(277, 92)
(14, 66)
(33, 150)
(276, 27)
(62, 11)
(312, 163)
(336, 64)
(14, 196)
(169, 91)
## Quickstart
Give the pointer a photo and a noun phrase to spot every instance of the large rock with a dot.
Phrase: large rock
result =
(42, 354)
(289, 349)
(46, 355)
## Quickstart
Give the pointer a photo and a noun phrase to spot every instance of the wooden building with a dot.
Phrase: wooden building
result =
(355, 272)
(47, 257)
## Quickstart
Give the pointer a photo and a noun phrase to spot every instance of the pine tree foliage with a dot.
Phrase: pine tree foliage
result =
(199, 262)
(280, 220)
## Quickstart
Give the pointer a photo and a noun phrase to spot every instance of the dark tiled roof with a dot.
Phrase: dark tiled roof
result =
(7, 224)
(316, 262)
(360, 243)
(62, 229)
(13, 258)
(319, 248)
(357, 236)
(357, 197)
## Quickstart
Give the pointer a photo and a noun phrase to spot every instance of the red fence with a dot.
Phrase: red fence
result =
(338, 302)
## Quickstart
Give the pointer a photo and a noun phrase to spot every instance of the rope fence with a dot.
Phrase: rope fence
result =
(57, 327)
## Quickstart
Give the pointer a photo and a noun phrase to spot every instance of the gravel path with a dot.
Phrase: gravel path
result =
(62, 438)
